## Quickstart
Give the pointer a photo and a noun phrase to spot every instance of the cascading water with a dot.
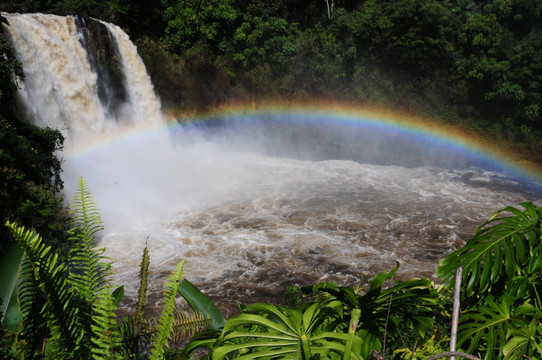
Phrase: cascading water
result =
(61, 88)
(252, 207)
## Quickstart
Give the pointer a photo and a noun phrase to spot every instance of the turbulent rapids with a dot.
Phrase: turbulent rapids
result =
(251, 205)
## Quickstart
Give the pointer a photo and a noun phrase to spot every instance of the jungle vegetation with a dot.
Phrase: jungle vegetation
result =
(29, 169)
(58, 308)
(477, 64)
(470, 63)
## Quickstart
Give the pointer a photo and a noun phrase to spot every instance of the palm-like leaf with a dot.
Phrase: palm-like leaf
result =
(502, 277)
(487, 325)
(265, 331)
(499, 326)
(379, 305)
(501, 248)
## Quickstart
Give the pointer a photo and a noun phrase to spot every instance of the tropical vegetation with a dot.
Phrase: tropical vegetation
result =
(502, 277)
(63, 309)
(58, 309)
(475, 63)
(29, 169)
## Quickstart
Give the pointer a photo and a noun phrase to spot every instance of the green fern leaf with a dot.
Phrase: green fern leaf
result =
(142, 292)
(106, 336)
(33, 327)
(187, 323)
(89, 276)
(49, 273)
(165, 323)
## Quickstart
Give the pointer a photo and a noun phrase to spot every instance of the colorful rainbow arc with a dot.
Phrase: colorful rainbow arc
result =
(440, 133)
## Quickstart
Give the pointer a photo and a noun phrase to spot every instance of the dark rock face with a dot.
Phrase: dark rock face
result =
(103, 56)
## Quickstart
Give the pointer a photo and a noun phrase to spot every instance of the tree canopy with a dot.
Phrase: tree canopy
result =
(476, 63)
(29, 169)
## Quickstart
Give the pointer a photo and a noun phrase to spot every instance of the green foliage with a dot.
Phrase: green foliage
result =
(29, 168)
(270, 331)
(502, 282)
(422, 37)
(9, 273)
(79, 311)
(45, 268)
(200, 303)
(404, 306)
(10, 68)
(337, 323)
(260, 41)
(165, 323)
(142, 292)
(137, 332)
(79, 304)
(190, 22)
(291, 297)
(504, 251)
(134, 329)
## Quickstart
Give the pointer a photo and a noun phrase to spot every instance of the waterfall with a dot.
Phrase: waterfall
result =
(139, 87)
(253, 203)
(66, 85)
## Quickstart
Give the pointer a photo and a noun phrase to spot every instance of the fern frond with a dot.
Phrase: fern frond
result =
(187, 323)
(85, 211)
(165, 323)
(142, 292)
(89, 275)
(106, 336)
(49, 273)
(33, 327)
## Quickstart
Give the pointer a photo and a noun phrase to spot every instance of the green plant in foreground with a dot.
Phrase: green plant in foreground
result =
(502, 285)
(267, 331)
(336, 324)
(79, 299)
(172, 326)
(406, 305)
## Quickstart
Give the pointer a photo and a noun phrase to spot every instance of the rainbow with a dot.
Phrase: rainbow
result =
(440, 134)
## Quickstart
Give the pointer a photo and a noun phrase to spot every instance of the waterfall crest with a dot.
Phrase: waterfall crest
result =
(63, 87)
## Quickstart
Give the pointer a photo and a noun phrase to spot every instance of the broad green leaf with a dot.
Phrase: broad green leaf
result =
(9, 274)
(198, 301)
(487, 325)
(284, 352)
(289, 317)
(118, 294)
(500, 247)
(252, 334)
(259, 320)
(380, 278)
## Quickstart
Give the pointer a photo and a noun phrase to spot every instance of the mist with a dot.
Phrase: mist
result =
(254, 205)
(253, 202)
